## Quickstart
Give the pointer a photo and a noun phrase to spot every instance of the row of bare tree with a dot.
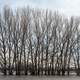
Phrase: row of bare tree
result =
(38, 42)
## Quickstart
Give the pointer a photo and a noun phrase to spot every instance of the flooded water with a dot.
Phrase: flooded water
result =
(39, 78)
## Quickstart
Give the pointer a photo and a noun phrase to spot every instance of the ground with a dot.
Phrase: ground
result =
(39, 78)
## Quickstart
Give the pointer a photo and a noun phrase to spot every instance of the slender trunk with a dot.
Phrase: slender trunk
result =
(46, 64)
(42, 62)
(52, 71)
(5, 70)
(38, 63)
(17, 61)
(25, 66)
(10, 69)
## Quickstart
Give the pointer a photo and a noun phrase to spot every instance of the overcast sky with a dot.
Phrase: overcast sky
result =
(67, 7)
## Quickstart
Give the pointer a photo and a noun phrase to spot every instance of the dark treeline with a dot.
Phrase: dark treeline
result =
(38, 42)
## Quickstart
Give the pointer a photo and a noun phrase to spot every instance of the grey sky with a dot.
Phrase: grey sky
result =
(67, 7)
